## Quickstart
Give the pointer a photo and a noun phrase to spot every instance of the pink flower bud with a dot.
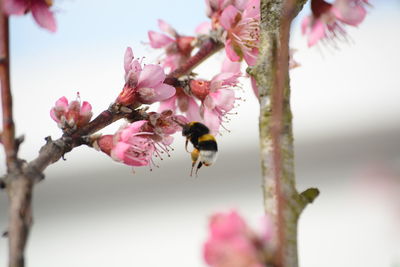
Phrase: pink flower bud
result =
(71, 115)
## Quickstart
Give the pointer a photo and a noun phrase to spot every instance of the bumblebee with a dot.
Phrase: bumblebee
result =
(205, 146)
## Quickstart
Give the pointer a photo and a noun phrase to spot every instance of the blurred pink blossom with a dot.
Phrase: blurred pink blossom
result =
(327, 21)
(71, 115)
(143, 85)
(177, 47)
(40, 11)
(231, 243)
(242, 31)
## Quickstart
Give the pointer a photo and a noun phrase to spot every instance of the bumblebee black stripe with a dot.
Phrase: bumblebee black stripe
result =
(209, 145)
(194, 130)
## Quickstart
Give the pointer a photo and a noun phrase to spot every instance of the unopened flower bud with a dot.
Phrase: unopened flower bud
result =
(71, 115)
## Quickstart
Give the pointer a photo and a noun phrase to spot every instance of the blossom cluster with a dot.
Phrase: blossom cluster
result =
(235, 24)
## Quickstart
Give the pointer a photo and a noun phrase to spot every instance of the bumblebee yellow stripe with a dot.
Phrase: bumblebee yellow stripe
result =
(206, 137)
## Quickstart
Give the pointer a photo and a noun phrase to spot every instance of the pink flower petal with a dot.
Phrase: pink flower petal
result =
(240, 4)
(151, 76)
(62, 103)
(86, 108)
(230, 52)
(126, 131)
(209, 9)
(120, 153)
(165, 27)
(43, 16)
(128, 57)
(168, 104)
(317, 33)
(203, 28)
(230, 66)
(159, 93)
(220, 77)
(352, 15)
(15, 7)
(251, 56)
(304, 24)
(163, 91)
(159, 40)
(227, 225)
(224, 79)
(252, 9)
(193, 111)
(212, 120)
(224, 99)
(228, 16)
(167, 140)
(53, 115)
(209, 102)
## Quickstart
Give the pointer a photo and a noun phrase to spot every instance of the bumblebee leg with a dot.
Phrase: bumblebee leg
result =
(195, 159)
(198, 167)
(186, 144)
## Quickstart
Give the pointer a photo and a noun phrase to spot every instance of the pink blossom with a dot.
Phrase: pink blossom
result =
(181, 101)
(203, 28)
(242, 28)
(327, 21)
(143, 85)
(40, 11)
(71, 115)
(135, 144)
(163, 125)
(129, 145)
(232, 243)
(177, 47)
(214, 8)
(216, 96)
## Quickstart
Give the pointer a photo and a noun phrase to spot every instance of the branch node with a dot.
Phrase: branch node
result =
(309, 195)
(4, 234)
(48, 139)
(251, 70)
(18, 141)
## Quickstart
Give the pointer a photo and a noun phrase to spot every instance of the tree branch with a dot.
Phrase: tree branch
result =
(281, 199)
(208, 48)
(8, 135)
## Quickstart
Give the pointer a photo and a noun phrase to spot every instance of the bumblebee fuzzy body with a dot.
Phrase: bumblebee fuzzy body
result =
(205, 146)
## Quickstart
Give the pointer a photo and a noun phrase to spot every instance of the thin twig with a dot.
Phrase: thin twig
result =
(8, 135)
(208, 48)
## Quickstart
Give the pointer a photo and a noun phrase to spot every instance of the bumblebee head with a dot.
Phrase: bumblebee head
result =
(194, 129)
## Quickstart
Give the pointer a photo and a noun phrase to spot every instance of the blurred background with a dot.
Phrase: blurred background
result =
(90, 211)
